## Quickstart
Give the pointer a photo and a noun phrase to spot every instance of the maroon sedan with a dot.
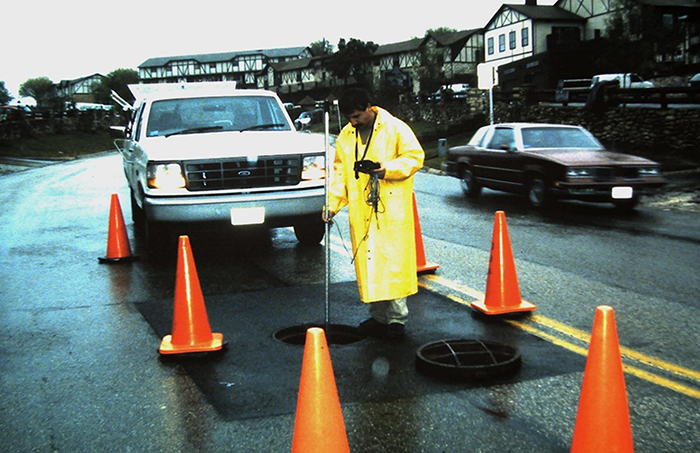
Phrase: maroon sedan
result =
(548, 162)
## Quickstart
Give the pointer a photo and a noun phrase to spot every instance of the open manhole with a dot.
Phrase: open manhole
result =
(467, 359)
(335, 334)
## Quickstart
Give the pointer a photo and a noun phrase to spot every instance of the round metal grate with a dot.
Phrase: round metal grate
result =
(338, 334)
(467, 359)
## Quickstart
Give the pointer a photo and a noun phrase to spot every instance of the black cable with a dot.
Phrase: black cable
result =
(374, 199)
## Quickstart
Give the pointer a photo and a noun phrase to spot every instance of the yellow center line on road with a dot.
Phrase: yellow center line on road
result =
(647, 376)
(429, 281)
(625, 352)
(579, 335)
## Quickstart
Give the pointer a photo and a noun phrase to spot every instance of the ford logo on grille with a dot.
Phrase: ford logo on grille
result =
(244, 173)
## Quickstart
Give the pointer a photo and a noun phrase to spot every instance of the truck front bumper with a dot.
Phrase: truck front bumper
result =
(280, 208)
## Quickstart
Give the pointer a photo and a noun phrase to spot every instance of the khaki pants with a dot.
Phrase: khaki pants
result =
(389, 311)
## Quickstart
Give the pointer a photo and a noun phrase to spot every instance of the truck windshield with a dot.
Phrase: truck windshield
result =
(213, 114)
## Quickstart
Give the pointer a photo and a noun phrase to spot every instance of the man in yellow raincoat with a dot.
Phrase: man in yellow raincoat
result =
(380, 208)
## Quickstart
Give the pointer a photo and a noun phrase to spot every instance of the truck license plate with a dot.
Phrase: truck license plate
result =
(248, 216)
(622, 193)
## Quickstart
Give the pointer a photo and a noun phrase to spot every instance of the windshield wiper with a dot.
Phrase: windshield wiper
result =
(258, 127)
(195, 130)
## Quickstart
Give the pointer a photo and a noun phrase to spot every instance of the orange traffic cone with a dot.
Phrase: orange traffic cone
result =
(118, 248)
(603, 419)
(191, 331)
(502, 290)
(421, 264)
(319, 425)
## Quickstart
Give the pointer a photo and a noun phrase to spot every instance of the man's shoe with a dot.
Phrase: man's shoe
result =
(372, 327)
(395, 331)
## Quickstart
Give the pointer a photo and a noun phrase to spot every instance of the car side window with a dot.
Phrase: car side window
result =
(503, 139)
(478, 138)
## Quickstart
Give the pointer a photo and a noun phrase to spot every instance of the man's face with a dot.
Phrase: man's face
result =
(361, 119)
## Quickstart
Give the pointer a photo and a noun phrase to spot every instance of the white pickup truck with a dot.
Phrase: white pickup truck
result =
(625, 80)
(208, 153)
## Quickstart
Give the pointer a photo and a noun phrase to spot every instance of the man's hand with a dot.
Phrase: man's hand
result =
(381, 171)
(327, 216)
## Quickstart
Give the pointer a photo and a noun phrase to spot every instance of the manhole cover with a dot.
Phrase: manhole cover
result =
(467, 359)
(335, 334)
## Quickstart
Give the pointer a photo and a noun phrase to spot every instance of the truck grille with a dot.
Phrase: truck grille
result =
(242, 173)
(610, 173)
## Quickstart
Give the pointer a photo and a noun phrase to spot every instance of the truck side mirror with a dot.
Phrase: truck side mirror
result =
(117, 131)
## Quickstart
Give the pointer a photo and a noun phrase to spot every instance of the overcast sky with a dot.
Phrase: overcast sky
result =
(68, 39)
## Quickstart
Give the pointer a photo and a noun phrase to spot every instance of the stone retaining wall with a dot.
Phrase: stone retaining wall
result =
(649, 131)
(88, 121)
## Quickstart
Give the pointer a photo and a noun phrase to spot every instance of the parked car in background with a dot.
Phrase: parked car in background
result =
(307, 118)
(85, 106)
(626, 80)
(572, 88)
(694, 81)
(13, 112)
(574, 84)
(459, 90)
(454, 90)
(198, 154)
(293, 110)
(547, 162)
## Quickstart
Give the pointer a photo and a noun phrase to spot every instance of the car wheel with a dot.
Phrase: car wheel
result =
(470, 186)
(310, 232)
(537, 193)
(158, 241)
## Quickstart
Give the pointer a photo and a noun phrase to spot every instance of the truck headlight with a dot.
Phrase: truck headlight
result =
(313, 167)
(165, 176)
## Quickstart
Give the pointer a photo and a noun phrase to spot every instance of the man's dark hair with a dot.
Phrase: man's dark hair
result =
(352, 100)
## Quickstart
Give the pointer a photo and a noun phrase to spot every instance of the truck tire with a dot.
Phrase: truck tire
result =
(137, 214)
(310, 231)
(159, 244)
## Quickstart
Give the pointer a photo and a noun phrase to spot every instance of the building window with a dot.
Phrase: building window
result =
(525, 37)
(490, 48)
(501, 43)
(511, 40)
(668, 21)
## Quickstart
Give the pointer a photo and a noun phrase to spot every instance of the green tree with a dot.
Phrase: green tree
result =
(352, 59)
(430, 73)
(321, 48)
(5, 97)
(42, 89)
(440, 31)
(116, 80)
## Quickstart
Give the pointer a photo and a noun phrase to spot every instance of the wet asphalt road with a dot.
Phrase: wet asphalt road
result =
(80, 371)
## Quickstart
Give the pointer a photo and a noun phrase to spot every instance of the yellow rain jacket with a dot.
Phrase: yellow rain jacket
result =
(383, 242)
